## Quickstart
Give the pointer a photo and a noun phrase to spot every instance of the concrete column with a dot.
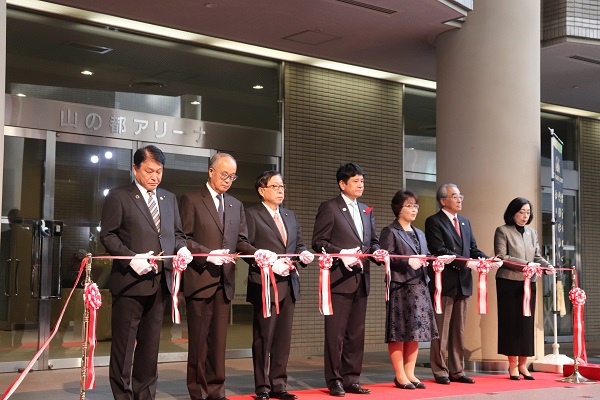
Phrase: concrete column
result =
(2, 84)
(488, 137)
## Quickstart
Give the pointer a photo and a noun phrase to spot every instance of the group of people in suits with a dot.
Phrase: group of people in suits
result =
(141, 221)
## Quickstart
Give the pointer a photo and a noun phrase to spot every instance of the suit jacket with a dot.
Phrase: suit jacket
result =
(263, 234)
(442, 239)
(334, 230)
(204, 233)
(510, 245)
(397, 241)
(128, 229)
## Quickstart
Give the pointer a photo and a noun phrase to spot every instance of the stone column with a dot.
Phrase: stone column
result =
(488, 137)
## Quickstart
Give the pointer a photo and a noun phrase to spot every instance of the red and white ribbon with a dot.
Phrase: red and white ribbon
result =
(267, 277)
(577, 297)
(529, 271)
(483, 267)
(383, 256)
(325, 263)
(92, 300)
(153, 264)
(438, 267)
(179, 265)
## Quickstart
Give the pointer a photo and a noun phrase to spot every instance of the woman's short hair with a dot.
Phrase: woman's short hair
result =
(514, 207)
(400, 197)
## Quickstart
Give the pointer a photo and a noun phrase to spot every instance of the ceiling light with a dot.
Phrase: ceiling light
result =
(86, 72)
(94, 159)
(195, 103)
(257, 87)
(105, 192)
(108, 155)
(21, 95)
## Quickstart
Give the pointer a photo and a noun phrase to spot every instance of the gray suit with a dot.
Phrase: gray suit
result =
(138, 301)
(510, 245)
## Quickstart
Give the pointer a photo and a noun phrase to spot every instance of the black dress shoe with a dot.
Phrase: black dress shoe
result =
(356, 389)
(442, 380)
(513, 377)
(419, 385)
(262, 396)
(403, 385)
(336, 389)
(526, 377)
(282, 395)
(463, 379)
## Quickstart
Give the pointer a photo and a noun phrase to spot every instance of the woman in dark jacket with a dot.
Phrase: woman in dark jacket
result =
(409, 312)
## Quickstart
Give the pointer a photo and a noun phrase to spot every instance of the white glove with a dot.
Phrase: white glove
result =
(219, 259)
(533, 264)
(549, 270)
(349, 261)
(447, 259)
(140, 263)
(472, 264)
(186, 254)
(281, 266)
(417, 262)
(496, 263)
(271, 257)
(306, 257)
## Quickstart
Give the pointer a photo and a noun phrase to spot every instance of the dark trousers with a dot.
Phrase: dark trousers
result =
(136, 323)
(345, 337)
(207, 328)
(272, 336)
(451, 325)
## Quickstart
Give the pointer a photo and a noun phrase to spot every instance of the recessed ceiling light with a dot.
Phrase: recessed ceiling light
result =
(21, 95)
(257, 87)
(210, 5)
(108, 155)
(86, 72)
(94, 159)
(195, 102)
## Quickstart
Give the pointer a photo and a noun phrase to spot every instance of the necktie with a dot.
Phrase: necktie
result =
(280, 227)
(153, 206)
(456, 226)
(357, 219)
(220, 208)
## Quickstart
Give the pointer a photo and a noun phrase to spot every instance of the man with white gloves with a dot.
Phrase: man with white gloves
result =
(215, 224)
(345, 226)
(448, 233)
(140, 220)
(277, 230)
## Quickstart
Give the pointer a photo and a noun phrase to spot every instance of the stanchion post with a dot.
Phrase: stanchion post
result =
(84, 329)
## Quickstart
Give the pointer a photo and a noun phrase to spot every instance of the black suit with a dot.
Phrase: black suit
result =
(209, 288)
(273, 335)
(138, 301)
(335, 230)
(457, 287)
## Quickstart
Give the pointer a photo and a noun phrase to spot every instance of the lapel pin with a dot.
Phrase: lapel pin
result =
(162, 198)
(344, 209)
(137, 196)
(286, 214)
(230, 205)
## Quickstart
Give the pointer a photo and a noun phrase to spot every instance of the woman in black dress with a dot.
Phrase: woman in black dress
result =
(516, 244)
(409, 312)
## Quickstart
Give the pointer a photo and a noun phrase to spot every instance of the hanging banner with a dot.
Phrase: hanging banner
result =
(557, 173)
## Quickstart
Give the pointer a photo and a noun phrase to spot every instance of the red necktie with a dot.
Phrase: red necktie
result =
(456, 226)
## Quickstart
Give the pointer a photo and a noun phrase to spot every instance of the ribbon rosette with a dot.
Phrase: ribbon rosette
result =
(267, 277)
(483, 267)
(384, 257)
(438, 267)
(529, 271)
(325, 263)
(577, 297)
(92, 301)
(179, 265)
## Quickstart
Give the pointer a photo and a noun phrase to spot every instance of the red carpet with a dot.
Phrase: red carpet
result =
(485, 384)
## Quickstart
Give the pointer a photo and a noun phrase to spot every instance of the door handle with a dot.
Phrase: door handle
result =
(7, 277)
(17, 276)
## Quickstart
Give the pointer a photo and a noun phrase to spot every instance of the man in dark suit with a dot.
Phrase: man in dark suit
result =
(448, 233)
(139, 220)
(214, 223)
(345, 226)
(275, 228)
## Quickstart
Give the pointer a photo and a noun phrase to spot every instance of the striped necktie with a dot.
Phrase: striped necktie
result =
(153, 206)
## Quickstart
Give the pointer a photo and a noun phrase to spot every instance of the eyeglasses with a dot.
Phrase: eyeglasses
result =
(225, 176)
(456, 197)
(415, 206)
(276, 187)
